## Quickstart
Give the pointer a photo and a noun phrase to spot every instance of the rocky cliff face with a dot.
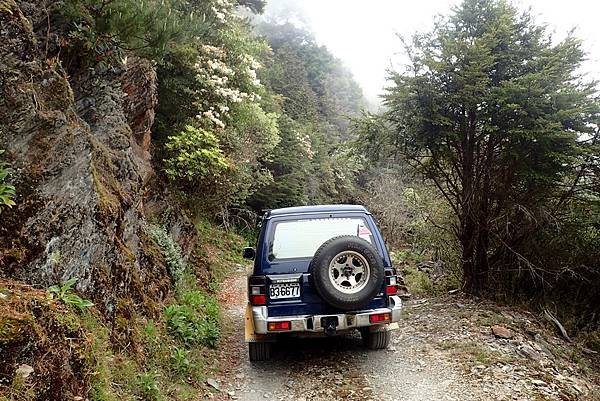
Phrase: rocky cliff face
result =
(81, 149)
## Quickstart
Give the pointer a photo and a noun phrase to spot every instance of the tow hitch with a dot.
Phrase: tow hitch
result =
(329, 324)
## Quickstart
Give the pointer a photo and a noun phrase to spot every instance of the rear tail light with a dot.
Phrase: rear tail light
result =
(279, 326)
(391, 290)
(257, 290)
(258, 299)
(391, 287)
(380, 318)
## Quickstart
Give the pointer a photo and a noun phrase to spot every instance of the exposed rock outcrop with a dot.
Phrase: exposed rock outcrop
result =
(81, 149)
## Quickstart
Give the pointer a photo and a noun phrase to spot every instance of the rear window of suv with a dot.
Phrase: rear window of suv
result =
(302, 237)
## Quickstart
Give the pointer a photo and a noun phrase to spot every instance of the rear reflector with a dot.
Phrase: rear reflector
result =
(279, 326)
(390, 290)
(380, 318)
(258, 299)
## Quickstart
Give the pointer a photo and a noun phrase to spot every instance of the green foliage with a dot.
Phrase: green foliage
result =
(195, 156)
(148, 384)
(310, 164)
(171, 251)
(179, 360)
(64, 293)
(233, 134)
(101, 32)
(315, 85)
(7, 191)
(194, 320)
(496, 126)
(417, 281)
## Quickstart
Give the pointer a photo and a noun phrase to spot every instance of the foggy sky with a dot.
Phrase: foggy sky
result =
(363, 33)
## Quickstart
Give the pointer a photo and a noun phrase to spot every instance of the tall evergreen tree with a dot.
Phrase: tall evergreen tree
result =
(493, 112)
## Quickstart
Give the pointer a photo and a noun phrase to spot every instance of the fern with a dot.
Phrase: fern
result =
(7, 191)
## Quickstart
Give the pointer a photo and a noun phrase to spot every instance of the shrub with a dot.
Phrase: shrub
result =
(7, 191)
(148, 386)
(195, 319)
(65, 294)
(195, 156)
(170, 251)
(180, 363)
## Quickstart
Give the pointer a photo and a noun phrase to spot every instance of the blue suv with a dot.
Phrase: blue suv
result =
(320, 270)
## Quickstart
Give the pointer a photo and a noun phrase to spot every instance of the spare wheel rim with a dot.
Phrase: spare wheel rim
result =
(349, 272)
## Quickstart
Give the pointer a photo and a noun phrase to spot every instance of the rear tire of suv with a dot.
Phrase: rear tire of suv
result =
(259, 351)
(376, 340)
(347, 272)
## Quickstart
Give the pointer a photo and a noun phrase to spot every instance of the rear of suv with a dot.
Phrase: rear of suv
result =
(320, 270)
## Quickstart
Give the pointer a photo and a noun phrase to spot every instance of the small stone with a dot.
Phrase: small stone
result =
(501, 332)
(231, 393)
(529, 352)
(3, 296)
(24, 371)
(538, 382)
(214, 384)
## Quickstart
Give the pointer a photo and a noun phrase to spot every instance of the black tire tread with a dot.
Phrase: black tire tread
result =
(377, 339)
(376, 271)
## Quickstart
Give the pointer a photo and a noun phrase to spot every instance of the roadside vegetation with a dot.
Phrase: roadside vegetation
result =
(162, 357)
(482, 169)
(7, 190)
(500, 140)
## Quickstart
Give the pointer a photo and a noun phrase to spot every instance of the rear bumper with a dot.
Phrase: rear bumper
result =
(312, 323)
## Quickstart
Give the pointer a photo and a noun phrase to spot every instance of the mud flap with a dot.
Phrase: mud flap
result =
(249, 334)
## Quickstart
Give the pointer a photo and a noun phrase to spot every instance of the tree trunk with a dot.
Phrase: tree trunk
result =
(469, 220)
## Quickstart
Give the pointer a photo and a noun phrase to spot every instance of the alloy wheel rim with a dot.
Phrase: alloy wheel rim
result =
(349, 272)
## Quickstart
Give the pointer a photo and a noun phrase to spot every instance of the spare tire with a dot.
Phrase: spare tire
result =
(347, 272)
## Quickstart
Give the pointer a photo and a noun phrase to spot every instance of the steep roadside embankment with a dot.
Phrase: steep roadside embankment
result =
(81, 147)
(87, 203)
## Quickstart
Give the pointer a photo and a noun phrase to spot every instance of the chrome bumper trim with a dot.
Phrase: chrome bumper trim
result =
(346, 321)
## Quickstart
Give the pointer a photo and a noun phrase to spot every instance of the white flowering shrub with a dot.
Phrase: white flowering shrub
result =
(305, 142)
(225, 100)
(221, 85)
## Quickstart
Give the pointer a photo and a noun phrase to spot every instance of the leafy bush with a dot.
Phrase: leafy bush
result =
(170, 250)
(195, 319)
(148, 386)
(7, 191)
(195, 156)
(180, 362)
(65, 294)
(101, 32)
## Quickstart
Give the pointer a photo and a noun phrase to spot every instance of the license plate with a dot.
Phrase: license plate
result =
(284, 290)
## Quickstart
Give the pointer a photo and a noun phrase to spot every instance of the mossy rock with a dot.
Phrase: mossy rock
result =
(14, 328)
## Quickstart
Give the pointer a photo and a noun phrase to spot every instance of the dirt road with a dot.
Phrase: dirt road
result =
(444, 350)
